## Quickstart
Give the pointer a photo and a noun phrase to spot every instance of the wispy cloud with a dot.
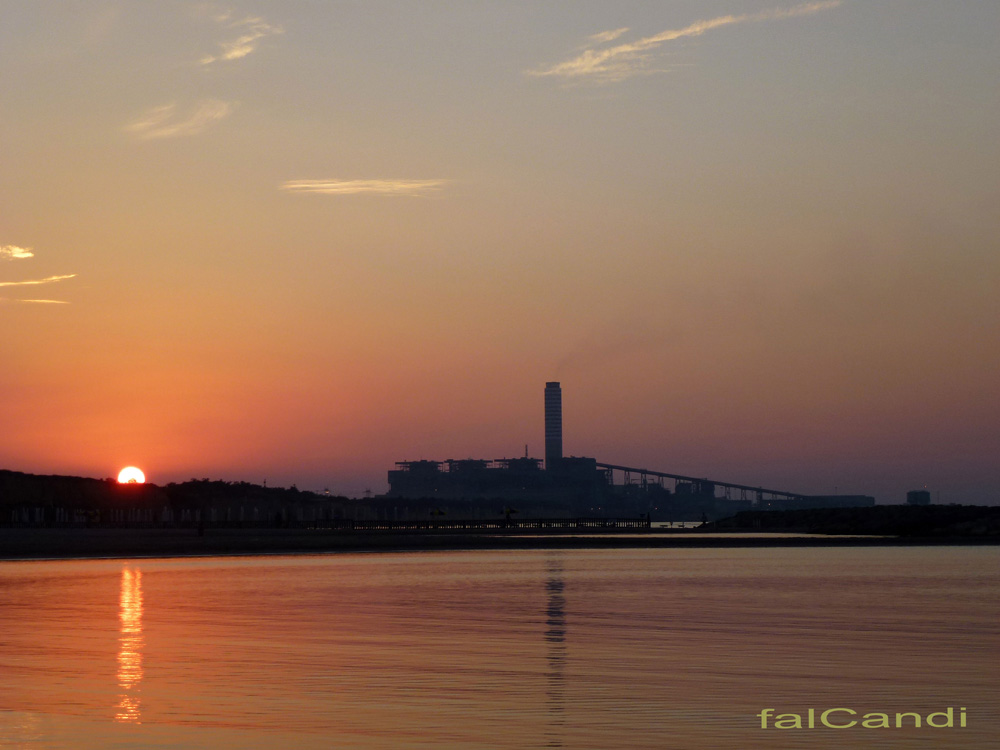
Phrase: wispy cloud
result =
(622, 61)
(36, 282)
(364, 187)
(606, 36)
(36, 301)
(165, 121)
(13, 252)
(253, 30)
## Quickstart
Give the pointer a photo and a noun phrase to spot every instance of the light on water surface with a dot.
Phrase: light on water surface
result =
(583, 649)
(130, 648)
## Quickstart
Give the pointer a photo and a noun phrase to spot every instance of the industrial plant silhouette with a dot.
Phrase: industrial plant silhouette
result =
(582, 486)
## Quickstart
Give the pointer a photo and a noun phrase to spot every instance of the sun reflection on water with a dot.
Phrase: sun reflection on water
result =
(130, 644)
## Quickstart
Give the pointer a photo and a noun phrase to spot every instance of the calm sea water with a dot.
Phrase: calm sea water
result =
(571, 648)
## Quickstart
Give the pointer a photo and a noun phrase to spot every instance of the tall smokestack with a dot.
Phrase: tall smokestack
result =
(553, 425)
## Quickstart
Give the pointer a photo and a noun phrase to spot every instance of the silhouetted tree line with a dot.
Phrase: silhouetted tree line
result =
(17, 488)
(196, 491)
(51, 499)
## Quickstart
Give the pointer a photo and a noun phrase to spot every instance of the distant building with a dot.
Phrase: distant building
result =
(501, 477)
(918, 497)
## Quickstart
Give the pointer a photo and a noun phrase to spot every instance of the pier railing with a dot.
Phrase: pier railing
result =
(193, 518)
(522, 524)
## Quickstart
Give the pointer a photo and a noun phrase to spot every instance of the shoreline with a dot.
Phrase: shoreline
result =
(61, 544)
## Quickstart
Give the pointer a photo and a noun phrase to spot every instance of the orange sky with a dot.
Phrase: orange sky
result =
(755, 241)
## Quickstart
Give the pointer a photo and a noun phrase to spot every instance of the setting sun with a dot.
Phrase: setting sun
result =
(131, 475)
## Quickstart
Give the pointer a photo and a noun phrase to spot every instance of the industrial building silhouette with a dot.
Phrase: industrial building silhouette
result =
(582, 486)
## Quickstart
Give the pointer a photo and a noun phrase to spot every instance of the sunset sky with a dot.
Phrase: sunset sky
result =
(757, 241)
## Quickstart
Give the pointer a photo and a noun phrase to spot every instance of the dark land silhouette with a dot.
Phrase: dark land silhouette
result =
(62, 516)
(895, 520)
(66, 501)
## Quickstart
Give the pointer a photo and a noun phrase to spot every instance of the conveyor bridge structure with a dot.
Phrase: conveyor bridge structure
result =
(696, 485)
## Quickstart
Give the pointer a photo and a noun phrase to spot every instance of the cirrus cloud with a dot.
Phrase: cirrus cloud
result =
(254, 30)
(604, 37)
(389, 187)
(35, 301)
(13, 252)
(165, 121)
(622, 61)
(36, 282)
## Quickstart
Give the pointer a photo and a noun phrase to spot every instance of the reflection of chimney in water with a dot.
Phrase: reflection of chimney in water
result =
(555, 657)
(553, 425)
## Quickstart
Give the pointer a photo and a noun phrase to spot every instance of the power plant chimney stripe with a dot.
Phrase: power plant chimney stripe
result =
(553, 425)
